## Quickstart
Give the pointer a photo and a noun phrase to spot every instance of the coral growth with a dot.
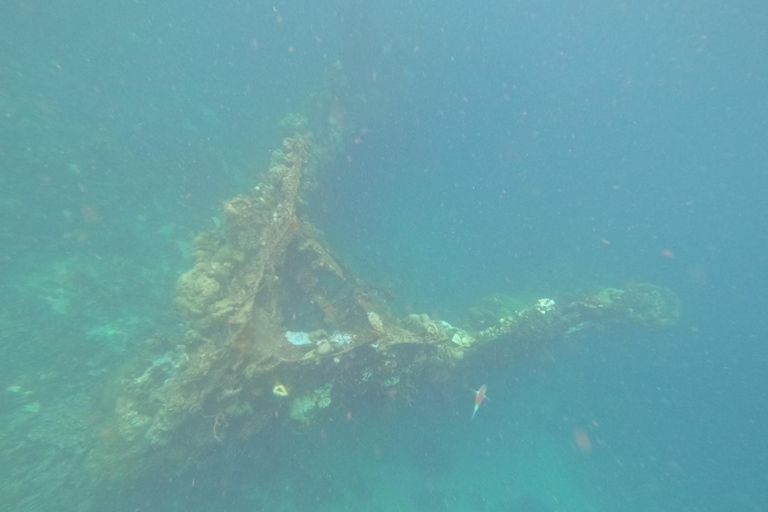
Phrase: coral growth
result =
(308, 404)
(374, 320)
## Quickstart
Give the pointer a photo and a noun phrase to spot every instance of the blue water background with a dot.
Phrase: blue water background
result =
(533, 148)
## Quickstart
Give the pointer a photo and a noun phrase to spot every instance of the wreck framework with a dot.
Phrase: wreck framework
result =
(234, 369)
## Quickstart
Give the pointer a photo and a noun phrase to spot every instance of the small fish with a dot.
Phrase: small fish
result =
(479, 397)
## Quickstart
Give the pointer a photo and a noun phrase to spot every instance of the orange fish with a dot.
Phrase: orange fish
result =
(479, 397)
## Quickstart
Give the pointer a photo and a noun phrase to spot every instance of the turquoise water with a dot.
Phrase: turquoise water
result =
(534, 149)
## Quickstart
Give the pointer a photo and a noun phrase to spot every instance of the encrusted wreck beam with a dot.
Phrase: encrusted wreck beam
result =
(391, 350)
(640, 306)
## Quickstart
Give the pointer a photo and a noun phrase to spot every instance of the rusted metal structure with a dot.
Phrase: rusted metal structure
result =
(222, 379)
